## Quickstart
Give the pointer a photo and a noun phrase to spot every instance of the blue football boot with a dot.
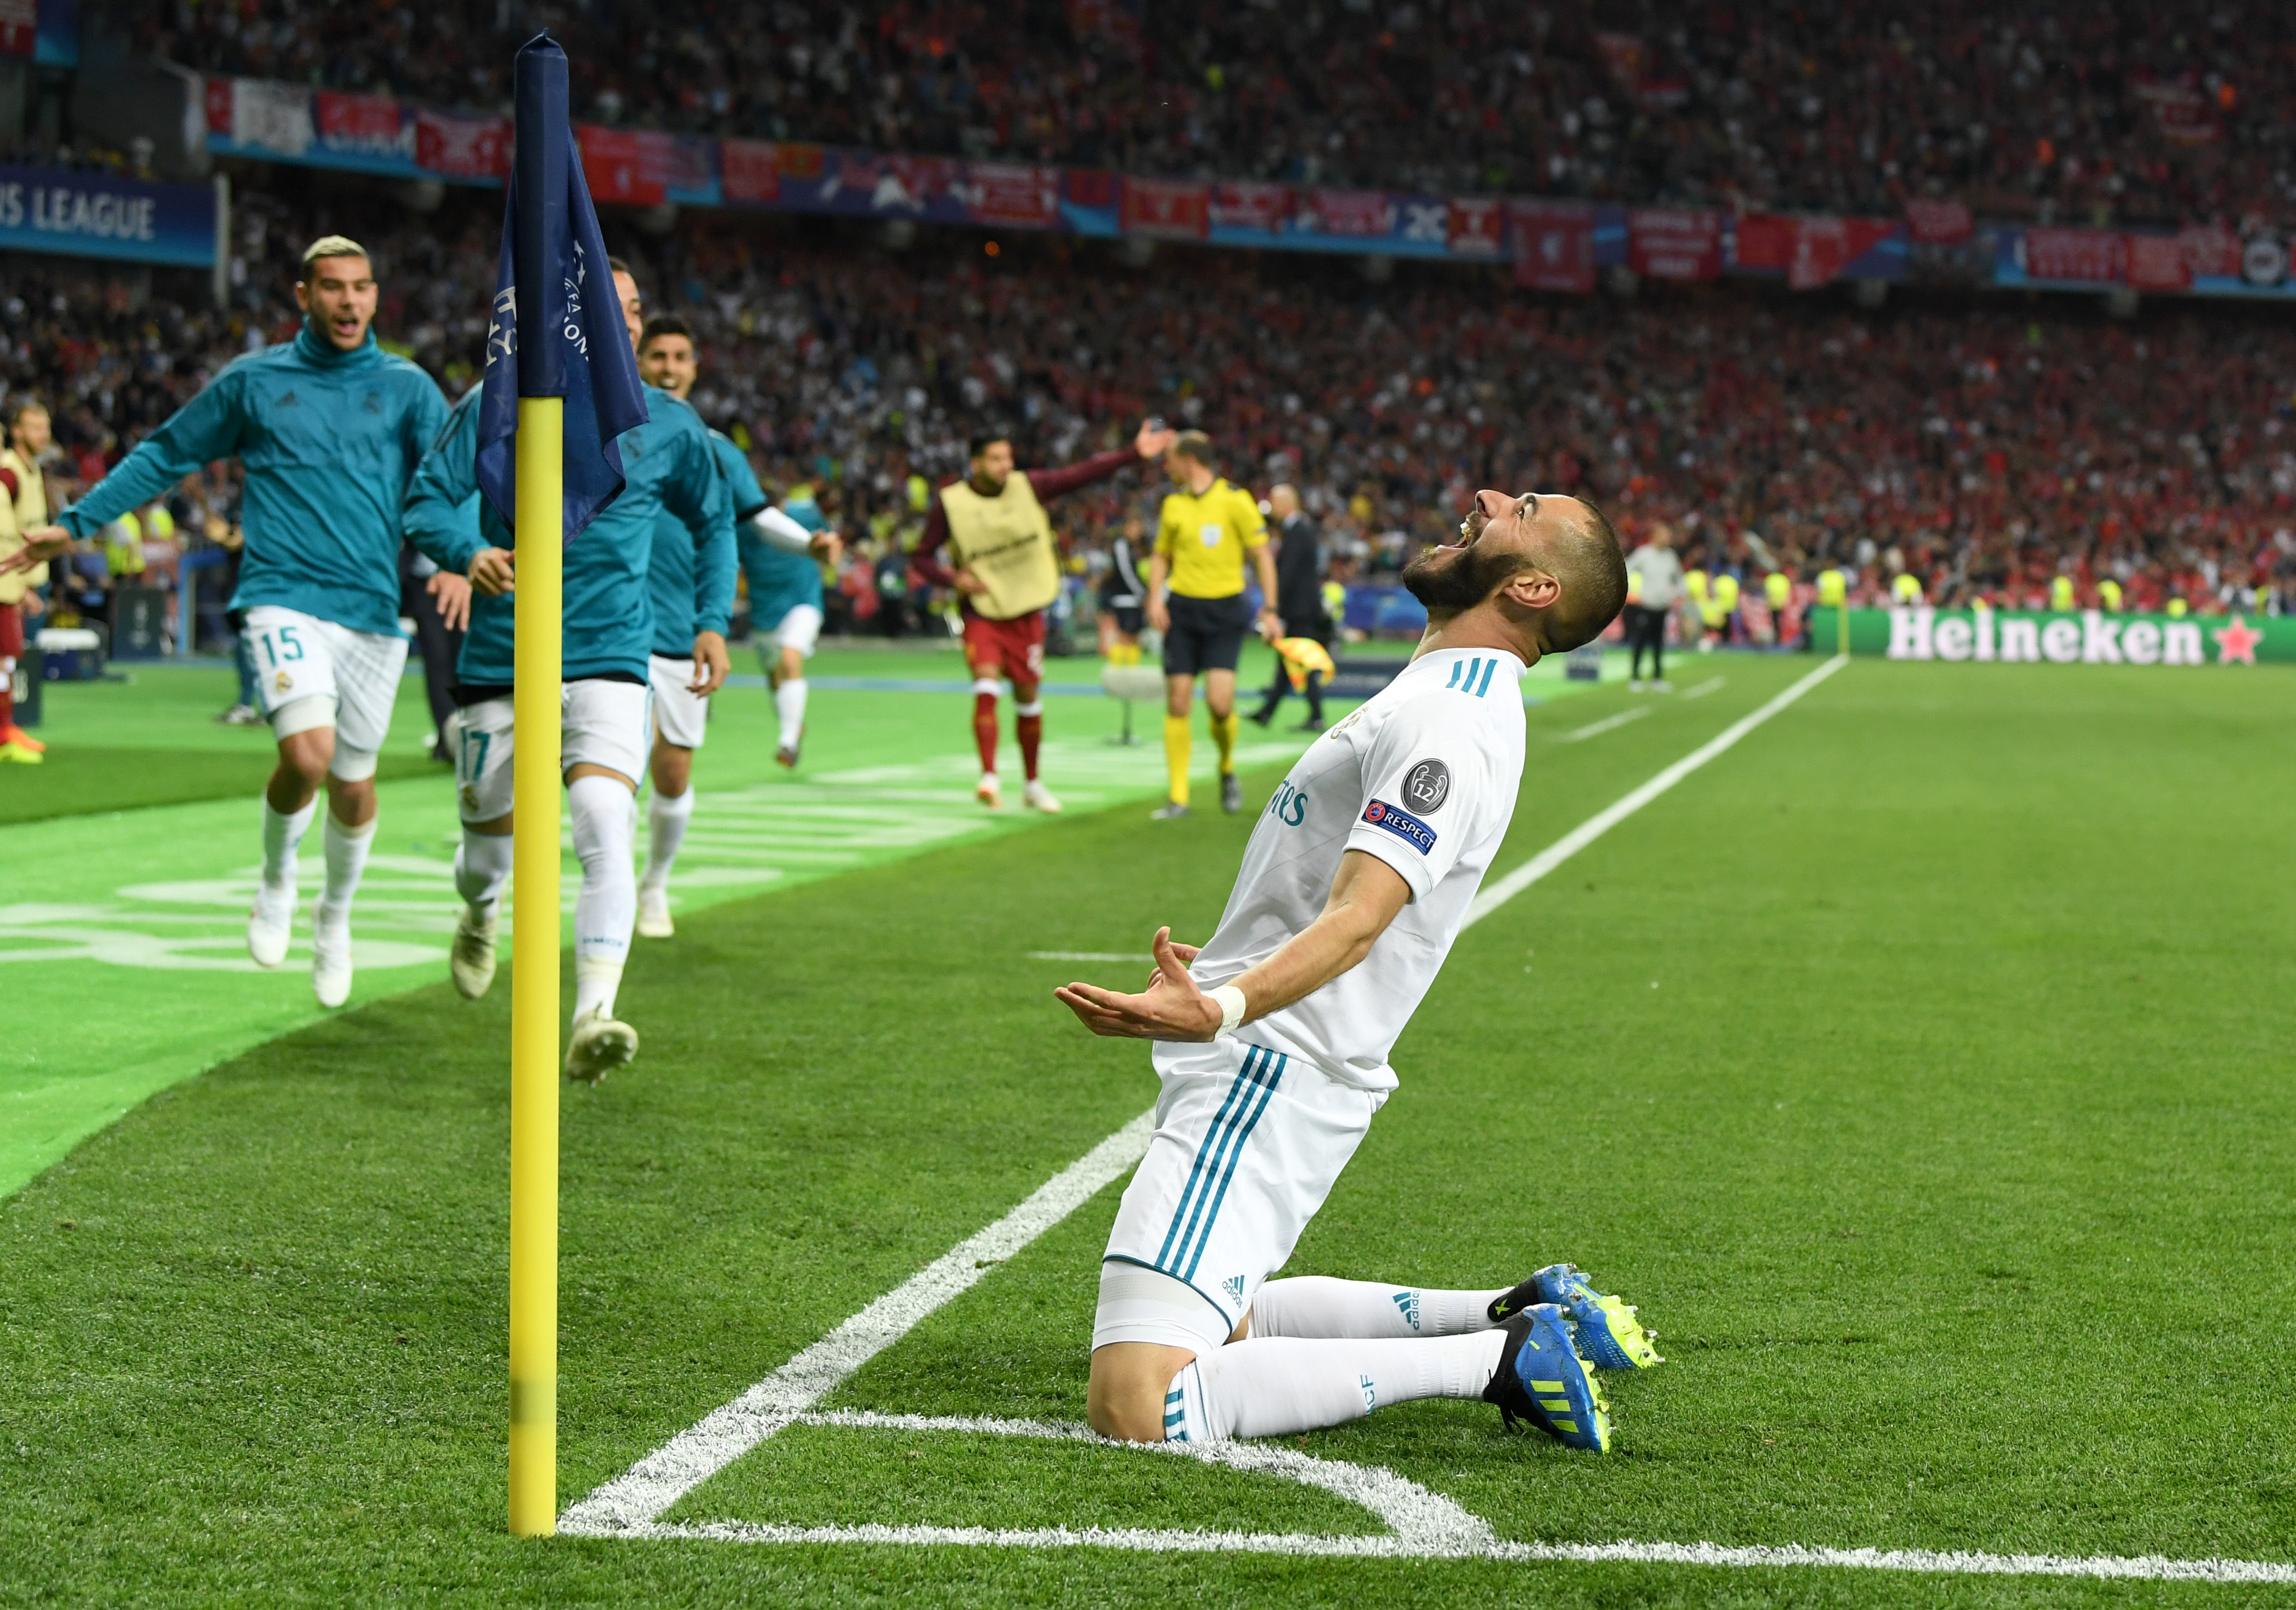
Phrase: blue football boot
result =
(1541, 1378)
(1609, 1335)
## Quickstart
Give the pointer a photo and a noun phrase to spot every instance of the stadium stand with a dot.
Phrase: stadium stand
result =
(1981, 445)
(2122, 112)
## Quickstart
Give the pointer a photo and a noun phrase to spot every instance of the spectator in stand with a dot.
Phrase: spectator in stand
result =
(1655, 583)
(1299, 600)
(23, 508)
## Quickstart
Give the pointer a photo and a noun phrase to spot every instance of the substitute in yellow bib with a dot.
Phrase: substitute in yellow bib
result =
(1207, 531)
(1004, 561)
(23, 507)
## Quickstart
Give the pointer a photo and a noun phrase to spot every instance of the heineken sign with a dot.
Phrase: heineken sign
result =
(2080, 637)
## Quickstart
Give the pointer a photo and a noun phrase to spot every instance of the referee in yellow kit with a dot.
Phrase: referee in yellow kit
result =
(1195, 599)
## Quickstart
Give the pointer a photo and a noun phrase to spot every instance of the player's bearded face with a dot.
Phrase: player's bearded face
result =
(1461, 574)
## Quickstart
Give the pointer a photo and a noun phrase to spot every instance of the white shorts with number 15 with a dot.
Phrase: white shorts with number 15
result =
(313, 673)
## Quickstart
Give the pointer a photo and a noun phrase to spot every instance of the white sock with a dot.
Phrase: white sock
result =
(789, 705)
(346, 849)
(481, 866)
(282, 836)
(666, 820)
(606, 816)
(1315, 1306)
(1275, 1385)
(596, 981)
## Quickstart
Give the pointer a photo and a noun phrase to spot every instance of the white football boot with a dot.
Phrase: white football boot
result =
(472, 959)
(330, 963)
(599, 1046)
(1037, 796)
(988, 791)
(269, 923)
(653, 914)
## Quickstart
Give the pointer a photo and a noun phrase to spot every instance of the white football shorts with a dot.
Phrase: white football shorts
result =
(1247, 1144)
(682, 718)
(313, 673)
(599, 724)
(800, 629)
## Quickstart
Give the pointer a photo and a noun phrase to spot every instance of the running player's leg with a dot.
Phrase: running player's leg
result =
(367, 668)
(603, 749)
(795, 637)
(680, 725)
(1223, 646)
(1183, 645)
(984, 657)
(295, 682)
(1028, 645)
(486, 736)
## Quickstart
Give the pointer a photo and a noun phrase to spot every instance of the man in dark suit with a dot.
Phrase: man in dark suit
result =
(1299, 600)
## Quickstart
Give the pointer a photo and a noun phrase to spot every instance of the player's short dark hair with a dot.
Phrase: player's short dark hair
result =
(1593, 571)
(982, 440)
(616, 266)
(1196, 446)
(328, 246)
(663, 323)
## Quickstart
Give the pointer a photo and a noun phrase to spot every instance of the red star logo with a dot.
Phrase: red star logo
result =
(2237, 641)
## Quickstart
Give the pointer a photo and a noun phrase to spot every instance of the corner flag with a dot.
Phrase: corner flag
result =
(561, 383)
(557, 328)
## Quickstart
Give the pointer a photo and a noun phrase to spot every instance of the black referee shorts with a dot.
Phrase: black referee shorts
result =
(1206, 634)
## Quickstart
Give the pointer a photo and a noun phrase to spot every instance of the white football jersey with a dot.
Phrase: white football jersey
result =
(1423, 776)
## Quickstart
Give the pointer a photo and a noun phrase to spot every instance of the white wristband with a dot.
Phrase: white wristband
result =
(1231, 1006)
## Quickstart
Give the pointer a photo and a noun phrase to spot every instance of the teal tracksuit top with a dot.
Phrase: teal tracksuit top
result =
(780, 580)
(329, 439)
(667, 464)
(692, 583)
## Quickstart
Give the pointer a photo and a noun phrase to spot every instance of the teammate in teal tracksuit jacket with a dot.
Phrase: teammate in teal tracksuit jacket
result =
(690, 581)
(608, 622)
(329, 439)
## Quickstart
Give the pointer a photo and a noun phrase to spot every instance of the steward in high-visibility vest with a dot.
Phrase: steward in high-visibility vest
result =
(2108, 594)
(1833, 588)
(2061, 592)
(1778, 591)
(1906, 589)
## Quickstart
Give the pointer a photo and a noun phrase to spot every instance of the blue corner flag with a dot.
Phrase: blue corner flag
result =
(557, 328)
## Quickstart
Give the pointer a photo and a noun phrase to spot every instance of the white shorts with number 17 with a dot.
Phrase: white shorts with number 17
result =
(599, 724)
(1247, 1144)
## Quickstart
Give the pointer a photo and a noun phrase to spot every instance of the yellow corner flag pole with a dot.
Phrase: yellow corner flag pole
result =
(534, 977)
(539, 531)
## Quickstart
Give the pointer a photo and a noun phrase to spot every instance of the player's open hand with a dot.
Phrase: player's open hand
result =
(967, 583)
(493, 571)
(454, 595)
(1154, 439)
(1171, 1008)
(710, 665)
(39, 547)
(827, 546)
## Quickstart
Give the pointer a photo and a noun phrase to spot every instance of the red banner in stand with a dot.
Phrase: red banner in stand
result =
(1824, 247)
(462, 148)
(1664, 243)
(1356, 214)
(1553, 247)
(1478, 228)
(1021, 194)
(219, 91)
(1251, 206)
(1765, 242)
(1167, 209)
(19, 28)
(2158, 262)
(747, 171)
(368, 122)
(626, 165)
(1940, 223)
(2097, 255)
(2211, 249)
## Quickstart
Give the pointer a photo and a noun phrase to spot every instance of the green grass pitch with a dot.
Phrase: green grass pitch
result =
(1919, 1067)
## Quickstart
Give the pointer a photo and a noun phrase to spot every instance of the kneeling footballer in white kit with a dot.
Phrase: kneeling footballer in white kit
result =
(1355, 881)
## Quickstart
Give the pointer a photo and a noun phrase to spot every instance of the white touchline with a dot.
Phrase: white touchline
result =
(1425, 1525)
(1090, 956)
(1709, 685)
(1596, 729)
(1602, 821)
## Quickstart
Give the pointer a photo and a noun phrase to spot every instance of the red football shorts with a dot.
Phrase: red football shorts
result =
(1012, 648)
(12, 632)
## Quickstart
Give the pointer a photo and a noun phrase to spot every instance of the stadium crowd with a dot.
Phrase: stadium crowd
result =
(1976, 447)
(2122, 111)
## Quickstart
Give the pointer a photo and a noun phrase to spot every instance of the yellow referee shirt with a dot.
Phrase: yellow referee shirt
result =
(1205, 539)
